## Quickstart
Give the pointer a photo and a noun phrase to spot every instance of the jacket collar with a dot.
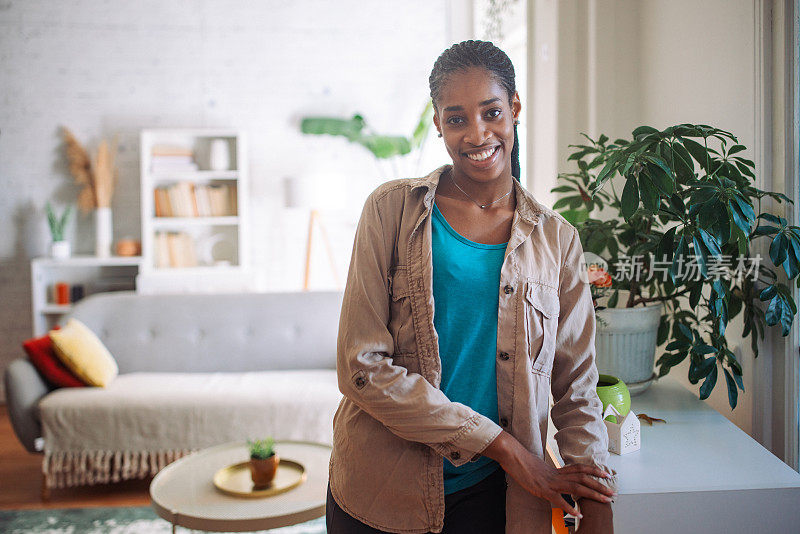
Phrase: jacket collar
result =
(528, 208)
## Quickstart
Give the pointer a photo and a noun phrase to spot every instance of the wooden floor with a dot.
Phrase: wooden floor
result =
(21, 481)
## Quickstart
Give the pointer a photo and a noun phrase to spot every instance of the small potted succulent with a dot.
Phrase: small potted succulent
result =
(263, 461)
(59, 247)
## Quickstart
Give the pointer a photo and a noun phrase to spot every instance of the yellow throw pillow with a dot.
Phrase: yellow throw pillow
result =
(84, 354)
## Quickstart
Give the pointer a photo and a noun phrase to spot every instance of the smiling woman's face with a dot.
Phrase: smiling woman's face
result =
(477, 124)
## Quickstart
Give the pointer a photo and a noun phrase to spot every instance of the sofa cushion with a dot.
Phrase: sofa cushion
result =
(157, 412)
(84, 354)
(43, 357)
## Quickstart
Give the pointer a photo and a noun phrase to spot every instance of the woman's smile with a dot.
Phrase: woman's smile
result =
(485, 158)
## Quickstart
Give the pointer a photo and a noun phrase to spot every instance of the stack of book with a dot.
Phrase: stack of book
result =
(174, 249)
(187, 199)
(172, 158)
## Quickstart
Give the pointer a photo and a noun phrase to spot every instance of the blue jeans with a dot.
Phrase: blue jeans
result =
(478, 509)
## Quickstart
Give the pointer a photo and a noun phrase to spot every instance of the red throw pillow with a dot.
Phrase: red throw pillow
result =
(43, 357)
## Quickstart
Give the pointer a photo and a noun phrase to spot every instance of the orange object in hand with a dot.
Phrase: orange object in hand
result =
(62, 293)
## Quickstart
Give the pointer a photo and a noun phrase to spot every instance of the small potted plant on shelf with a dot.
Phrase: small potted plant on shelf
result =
(263, 461)
(59, 247)
(683, 226)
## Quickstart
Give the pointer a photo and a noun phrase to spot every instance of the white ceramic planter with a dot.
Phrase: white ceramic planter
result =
(103, 232)
(60, 250)
(626, 343)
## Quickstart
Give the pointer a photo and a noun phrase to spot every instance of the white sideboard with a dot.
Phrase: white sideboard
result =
(95, 274)
(700, 473)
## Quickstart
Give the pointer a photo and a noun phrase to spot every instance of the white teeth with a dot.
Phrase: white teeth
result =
(480, 156)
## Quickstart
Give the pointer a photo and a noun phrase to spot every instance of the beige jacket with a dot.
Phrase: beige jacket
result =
(394, 424)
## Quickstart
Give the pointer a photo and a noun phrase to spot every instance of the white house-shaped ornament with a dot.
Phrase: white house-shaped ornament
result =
(623, 436)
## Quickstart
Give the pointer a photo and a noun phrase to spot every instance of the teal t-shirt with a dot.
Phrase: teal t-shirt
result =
(466, 282)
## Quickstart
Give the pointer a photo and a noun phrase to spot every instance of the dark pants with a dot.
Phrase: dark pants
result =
(479, 509)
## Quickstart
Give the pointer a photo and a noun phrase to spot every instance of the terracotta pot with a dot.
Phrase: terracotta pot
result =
(263, 471)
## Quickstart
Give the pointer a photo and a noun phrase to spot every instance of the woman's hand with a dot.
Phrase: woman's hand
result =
(545, 481)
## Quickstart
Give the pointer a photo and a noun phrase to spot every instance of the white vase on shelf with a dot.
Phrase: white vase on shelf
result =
(219, 157)
(103, 232)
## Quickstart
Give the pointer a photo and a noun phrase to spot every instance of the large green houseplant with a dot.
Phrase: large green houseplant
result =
(688, 200)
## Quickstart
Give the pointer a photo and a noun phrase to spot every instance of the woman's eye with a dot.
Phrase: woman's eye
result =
(494, 115)
(452, 120)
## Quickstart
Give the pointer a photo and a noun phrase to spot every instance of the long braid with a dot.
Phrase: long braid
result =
(474, 53)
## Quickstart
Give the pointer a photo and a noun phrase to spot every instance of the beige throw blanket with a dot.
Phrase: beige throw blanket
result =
(143, 421)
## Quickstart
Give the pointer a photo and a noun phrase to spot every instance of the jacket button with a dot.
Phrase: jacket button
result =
(455, 455)
(508, 289)
(360, 381)
(503, 355)
(503, 422)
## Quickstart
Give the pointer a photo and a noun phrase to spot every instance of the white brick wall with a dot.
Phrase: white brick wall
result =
(103, 67)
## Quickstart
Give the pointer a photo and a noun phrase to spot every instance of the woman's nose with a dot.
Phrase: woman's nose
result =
(477, 133)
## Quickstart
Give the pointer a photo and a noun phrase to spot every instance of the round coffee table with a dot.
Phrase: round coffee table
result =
(184, 494)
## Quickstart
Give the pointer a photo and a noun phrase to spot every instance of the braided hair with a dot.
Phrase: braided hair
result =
(475, 53)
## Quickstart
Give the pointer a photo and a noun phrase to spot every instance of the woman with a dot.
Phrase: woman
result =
(463, 310)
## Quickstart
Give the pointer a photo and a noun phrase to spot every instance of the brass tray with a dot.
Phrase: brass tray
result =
(235, 479)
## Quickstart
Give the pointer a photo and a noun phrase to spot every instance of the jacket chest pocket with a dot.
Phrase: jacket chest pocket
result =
(541, 325)
(400, 322)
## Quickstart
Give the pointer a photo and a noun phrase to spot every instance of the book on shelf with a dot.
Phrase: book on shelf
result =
(187, 199)
(172, 158)
(175, 249)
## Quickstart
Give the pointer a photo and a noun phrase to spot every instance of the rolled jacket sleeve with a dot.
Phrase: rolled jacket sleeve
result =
(404, 402)
(577, 411)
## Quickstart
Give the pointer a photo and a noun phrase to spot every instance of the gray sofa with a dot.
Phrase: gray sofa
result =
(195, 370)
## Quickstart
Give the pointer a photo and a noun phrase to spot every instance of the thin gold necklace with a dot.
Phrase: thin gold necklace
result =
(481, 206)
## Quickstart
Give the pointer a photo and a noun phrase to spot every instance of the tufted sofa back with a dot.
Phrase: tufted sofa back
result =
(215, 332)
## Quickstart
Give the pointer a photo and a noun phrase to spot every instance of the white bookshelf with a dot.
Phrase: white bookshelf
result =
(220, 261)
(96, 275)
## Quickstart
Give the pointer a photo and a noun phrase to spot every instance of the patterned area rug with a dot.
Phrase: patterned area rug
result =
(122, 520)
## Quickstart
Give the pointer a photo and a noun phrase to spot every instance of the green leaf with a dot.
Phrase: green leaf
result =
(747, 209)
(649, 193)
(698, 152)
(738, 217)
(660, 173)
(612, 301)
(644, 130)
(663, 330)
(695, 294)
(792, 264)
(565, 201)
(563, 189)
(630, 198)
(773, 219)
(669, 361)
(708, 384)
(733, 393)
(778, 250)
(768, 292)
(701, 254)
(702, 349)
(684, 166)
(665, 246)
(696, 372)
(686, 331)
(736, 148)
(423, 125)
(383, 147)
